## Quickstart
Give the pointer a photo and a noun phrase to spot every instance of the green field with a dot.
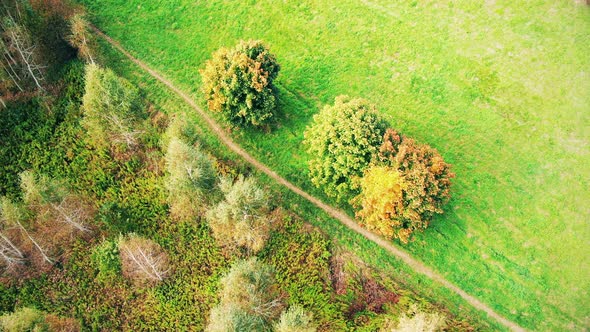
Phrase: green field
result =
(501, 89)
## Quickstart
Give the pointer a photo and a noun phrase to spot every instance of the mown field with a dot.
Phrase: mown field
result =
(501, 89)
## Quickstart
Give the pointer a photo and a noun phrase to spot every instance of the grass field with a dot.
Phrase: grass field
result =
(501, 89)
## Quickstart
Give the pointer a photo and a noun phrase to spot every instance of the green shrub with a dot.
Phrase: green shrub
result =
(105, 257)
(238, 83)
(342, 141)
(301, 259)
(295, 319)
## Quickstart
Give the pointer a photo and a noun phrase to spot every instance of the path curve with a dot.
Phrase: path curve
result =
(335, 213)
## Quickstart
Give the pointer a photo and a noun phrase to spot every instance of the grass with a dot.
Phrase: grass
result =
(500, 89)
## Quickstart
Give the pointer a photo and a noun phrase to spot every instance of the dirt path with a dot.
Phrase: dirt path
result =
(336, 213)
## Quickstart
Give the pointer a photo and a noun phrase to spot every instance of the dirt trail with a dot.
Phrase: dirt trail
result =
(336, 213)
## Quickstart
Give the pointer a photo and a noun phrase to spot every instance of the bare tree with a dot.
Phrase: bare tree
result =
(12, 217)
(142, 260)
(49, 195)
(71, 212)
(41, 250)
(19, 54)
(10, 254)
(81, 38)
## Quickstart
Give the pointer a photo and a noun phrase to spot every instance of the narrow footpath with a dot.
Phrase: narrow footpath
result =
(335, 213)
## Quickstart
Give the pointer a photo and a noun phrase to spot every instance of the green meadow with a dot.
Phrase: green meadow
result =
(501, 89)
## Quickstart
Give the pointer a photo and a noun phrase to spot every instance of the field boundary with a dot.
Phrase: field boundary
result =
(334, 212)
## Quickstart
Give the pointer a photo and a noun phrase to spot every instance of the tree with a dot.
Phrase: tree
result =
(242, 218)
(13, 217)
(295, 319)
(239, 83)
(191, 178)
(341, 141)
(416, 320)
(112, 108)
(249, 298)
(20, 58)
(142, 260)
(408, 185)
(53, 198)
(81, 38)
(11, 255)
(381, 202)
(230, 318)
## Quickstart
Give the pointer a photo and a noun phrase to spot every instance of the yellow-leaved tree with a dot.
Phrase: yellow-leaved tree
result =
(381, 201)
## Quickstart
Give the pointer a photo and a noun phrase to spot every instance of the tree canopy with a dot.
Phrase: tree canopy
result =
(342, 141)
(239, 83)
(112, 107)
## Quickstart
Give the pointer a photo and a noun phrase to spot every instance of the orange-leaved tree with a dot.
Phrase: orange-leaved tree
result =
(404, 188)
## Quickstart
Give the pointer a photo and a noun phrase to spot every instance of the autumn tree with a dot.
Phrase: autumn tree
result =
(112, 108)
(238, 82)
(143, 261)
(190, 181)
(342, 141)
(406, 187)
(381, 202)
(295, 319)
(249, 301)
(241, 219)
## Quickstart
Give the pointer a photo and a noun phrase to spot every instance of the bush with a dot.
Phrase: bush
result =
(112, 107)
(106, 259)
(403, 192)
(24, 319)
(249, 297)
(190, 181)
(295, 319)
(342, 141)
(142, 260)
(241, 220)
(238, 83)
(230, 318)
(417, 321)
